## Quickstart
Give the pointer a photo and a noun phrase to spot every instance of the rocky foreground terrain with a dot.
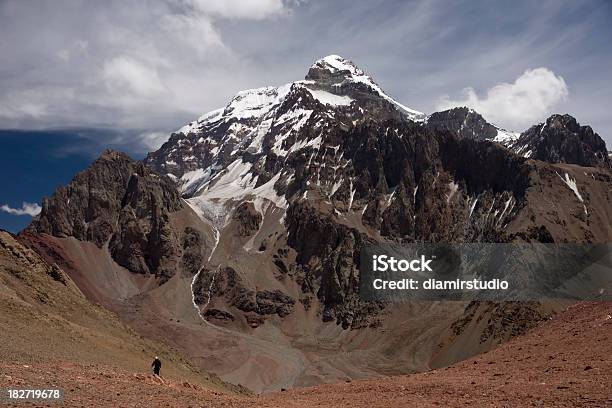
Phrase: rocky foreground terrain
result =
(565, 362)
(238, 241)
(47, 321)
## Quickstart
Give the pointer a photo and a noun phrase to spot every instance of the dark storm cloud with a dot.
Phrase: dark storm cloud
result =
(145, 68)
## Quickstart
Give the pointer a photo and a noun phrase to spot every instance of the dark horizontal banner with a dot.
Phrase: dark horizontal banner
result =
(500, 272)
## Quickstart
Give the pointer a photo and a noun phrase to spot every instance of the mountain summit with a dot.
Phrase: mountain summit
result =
(276, 122)
(343, 76)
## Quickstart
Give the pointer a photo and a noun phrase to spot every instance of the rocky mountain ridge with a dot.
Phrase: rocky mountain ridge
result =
(466, 122)
(561, 139)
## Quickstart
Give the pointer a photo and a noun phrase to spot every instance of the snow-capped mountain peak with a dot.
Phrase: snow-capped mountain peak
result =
(239, 150)
(342, 72)
(336, 64)
(332, 81)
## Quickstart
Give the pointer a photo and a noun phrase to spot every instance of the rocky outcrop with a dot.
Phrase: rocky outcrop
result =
(464, 122)
(192, 243)
(561, 139)
(327, 265)
(121, 203)
(247, 218)
(228, 284)
(218, 315)
(274, 302)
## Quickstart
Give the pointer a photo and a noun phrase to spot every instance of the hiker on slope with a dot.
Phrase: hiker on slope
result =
(156, 365)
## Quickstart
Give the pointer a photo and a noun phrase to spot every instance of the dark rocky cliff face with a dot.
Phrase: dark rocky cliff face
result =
(122, 203)
(561, 139)
(464, 122)
(327, 265)
(410, 184)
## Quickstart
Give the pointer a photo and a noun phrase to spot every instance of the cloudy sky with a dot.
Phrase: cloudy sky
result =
(126, 73)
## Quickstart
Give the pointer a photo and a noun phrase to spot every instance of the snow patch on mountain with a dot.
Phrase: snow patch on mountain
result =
(256, 102)
(571, 184)
(505, 137)
(327, 98)
(453, 188)
(237, 182)
(207, 117)
(247, 104)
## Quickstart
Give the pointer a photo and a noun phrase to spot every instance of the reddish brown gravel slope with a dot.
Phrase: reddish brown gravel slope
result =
(563, 363)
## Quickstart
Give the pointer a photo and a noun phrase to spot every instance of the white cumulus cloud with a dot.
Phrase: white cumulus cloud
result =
(518, 105)
(31, 209)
